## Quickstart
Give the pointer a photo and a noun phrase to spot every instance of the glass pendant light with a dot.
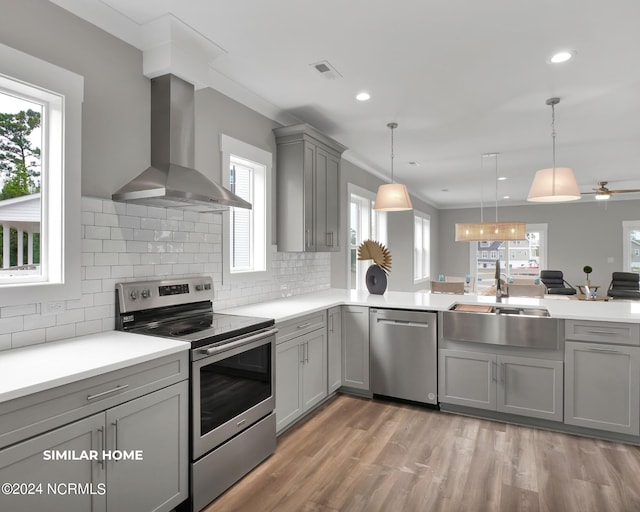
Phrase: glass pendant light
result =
(392, 197)
(557, 184)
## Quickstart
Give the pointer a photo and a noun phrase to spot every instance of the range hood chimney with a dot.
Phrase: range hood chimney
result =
(172, 181)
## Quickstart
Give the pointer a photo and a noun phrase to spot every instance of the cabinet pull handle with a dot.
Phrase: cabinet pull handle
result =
(330, 323)
(302, 326)
(114, 390)
(301, 351)
(329, 238)
(115, 434)
(494, 370)
(307, 357)
(101, 459)
(605, 350)
(608, 333)
(306, 238)
(501, 372)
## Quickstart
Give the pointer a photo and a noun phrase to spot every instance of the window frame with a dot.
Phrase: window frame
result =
(627, 227)
(424, 278)
(63, 92)
(230, 147)
(377, 222)
(541, 228)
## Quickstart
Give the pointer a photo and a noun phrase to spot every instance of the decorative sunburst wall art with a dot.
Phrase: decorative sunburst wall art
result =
(372, 250)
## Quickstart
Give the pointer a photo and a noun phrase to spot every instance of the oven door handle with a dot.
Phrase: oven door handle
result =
(238, 343)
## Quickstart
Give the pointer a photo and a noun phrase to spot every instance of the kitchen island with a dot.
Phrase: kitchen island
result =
(584, 378)
(559, 307)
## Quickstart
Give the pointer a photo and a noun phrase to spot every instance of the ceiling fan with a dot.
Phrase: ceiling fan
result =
(603, 193)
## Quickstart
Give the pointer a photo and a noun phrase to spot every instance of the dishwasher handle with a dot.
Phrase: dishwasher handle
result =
(406, 323)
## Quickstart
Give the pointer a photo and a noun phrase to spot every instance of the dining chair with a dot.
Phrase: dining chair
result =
(624, 285)
(555, 283)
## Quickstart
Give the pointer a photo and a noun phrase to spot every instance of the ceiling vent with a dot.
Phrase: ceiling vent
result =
(326, 70)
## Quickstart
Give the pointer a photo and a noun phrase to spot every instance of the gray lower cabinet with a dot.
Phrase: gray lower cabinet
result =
(301, 375)
(355, 348)
(602, 387)
(156, 424)
(334, 348)
(467, 378)
(43, 483)
(516, 385)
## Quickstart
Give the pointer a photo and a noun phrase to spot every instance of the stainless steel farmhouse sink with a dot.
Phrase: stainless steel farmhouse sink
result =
(502, 325)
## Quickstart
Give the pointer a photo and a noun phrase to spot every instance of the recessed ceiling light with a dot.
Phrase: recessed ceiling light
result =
(502, 178)
(506, 197)
(562, 56)
(363, 96)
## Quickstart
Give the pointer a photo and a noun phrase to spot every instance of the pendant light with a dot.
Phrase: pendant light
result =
(557, 184)
(392, 197)
(490, 231)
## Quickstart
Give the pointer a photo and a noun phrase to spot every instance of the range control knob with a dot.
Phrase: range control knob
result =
(145, 294)
(199, 287)
(133, 295)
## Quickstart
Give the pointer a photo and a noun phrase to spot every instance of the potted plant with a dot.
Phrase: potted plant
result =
(587, 270)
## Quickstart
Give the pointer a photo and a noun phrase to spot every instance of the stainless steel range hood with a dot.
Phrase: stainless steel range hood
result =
(172, 181)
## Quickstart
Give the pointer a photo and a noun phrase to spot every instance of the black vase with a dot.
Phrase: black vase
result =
(376, 280)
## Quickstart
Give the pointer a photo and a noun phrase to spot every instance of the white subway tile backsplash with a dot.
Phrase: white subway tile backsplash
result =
(115, 245)
(5, 341)
(124, 242)
(10, 311)
(26, 338)
(60, 332)
(106, 258)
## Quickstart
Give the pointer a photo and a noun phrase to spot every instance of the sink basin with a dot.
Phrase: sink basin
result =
(501, 310)
(502, 324)
(510, 310)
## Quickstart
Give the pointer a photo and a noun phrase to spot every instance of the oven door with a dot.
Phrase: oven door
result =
(232, 387)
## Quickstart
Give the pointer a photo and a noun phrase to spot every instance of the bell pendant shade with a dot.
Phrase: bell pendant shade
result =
(491, 231)
(392, 197)
(554, 185)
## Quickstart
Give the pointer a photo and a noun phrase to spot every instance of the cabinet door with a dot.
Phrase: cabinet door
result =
(157, 425)
(334, 349)
(289, 360)
(467, 378)
(314, 371)
(326, 201)
(30, 463)
(602, 387)
(355, 346)
(309, 165)
(530, 387)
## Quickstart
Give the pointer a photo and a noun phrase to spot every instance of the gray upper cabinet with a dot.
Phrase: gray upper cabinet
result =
(307, 175)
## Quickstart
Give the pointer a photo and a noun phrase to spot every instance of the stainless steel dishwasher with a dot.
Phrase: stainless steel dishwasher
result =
(404, 354)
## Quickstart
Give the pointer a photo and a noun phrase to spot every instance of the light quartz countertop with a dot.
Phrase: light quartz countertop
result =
(39, 367)
(558, 306)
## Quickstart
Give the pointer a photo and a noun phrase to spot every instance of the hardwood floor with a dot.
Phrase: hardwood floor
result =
(355, 454)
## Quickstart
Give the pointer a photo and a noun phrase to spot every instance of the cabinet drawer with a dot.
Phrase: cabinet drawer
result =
(619, 333)
(301, 325)
(33, 414)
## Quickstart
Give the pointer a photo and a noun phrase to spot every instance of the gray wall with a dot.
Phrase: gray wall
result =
(115, 113)
(579, 234)
(400, 234)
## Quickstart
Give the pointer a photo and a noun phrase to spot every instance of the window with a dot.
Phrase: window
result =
(247, 171)
(421, 246)
(40, 139)
(631, 245)
(525, 257)
(364, 224)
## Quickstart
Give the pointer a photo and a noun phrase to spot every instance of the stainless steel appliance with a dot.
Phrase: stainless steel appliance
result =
(404, 354)
(232, 402)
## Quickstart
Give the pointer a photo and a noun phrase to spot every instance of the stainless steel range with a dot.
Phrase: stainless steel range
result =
(233, 426)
